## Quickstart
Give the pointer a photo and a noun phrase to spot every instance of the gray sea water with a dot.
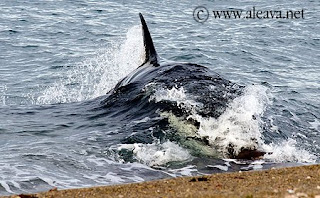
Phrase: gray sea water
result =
(58, 58)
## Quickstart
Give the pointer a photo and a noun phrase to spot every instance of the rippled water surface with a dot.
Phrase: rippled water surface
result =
(58, 59)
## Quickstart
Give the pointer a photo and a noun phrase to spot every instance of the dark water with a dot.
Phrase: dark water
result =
(58, 59)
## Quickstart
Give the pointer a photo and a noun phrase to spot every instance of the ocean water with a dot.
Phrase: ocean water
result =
(58, 59)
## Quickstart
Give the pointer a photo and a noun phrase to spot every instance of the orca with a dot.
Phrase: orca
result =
(131, 98)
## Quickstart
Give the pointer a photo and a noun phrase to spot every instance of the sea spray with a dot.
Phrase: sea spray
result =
(95, 76)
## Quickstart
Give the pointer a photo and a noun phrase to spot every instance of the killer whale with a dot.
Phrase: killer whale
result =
(211, 94)
(150, 57)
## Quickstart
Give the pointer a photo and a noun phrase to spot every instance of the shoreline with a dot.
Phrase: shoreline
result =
(300, 181)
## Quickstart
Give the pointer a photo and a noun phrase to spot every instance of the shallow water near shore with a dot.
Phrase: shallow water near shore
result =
(59, 59)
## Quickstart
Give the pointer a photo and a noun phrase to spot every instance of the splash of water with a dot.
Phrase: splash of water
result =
(95, 76)
(157, 153)
(239, 126)
(288, 151)
(175, 94)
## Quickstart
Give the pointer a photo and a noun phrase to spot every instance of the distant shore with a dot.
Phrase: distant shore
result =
(302, 181)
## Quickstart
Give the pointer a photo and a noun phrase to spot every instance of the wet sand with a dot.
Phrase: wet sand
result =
(302, 181)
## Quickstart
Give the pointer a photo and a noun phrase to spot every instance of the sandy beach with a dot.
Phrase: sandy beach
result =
(302, 181)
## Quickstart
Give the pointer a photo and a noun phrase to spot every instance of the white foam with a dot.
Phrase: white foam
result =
(239, 126)
(6, 186)
(236, 126)
(136, 165)
(220, 167)
(178, 95)
(185, 171)
(48, 181)
(157, 154)
(288, 151)
(173, 94)
(96, 76)
(256, 165)
(16, 184)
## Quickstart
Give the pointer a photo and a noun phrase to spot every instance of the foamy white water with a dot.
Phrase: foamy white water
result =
(157, 154)
(288, 151)
(239, 126)
(97, 75)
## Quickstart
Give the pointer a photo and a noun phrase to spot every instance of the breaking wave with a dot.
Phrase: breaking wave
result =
(239, 126)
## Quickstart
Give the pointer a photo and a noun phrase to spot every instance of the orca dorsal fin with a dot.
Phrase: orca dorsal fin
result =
(151, 56)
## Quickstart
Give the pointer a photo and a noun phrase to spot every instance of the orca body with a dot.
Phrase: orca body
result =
(205, 87)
